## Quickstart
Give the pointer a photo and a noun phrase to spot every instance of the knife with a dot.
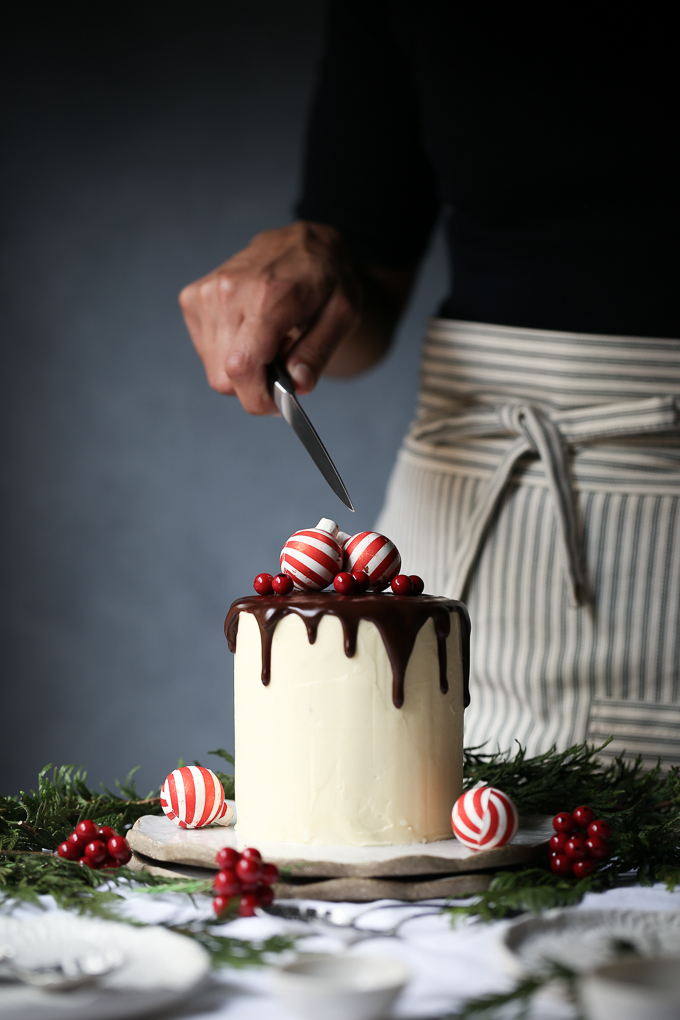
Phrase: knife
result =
(282, 389)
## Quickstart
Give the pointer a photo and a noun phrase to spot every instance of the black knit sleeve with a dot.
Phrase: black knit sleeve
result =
(365, 170)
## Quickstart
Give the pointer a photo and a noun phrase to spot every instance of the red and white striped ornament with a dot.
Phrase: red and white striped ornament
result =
(193, 797)
(375, 554)
(313, 557)
(484, 818)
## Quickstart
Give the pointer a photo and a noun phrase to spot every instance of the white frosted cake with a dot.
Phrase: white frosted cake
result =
(348, 716)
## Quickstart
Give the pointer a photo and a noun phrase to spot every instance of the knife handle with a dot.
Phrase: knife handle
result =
(278, 373)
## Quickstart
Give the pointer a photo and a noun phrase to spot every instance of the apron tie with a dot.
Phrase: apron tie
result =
(549, 436)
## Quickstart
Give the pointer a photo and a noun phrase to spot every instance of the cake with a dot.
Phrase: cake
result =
(348, 716)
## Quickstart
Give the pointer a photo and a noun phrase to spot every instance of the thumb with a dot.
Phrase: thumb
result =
(337, 319)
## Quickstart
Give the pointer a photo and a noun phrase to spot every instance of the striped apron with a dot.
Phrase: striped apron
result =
(540, 484)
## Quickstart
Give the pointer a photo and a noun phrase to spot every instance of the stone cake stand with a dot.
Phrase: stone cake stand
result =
(362, 874)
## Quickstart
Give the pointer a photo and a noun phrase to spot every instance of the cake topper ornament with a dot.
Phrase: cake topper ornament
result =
(484, 818)
(313, 557)
(193, 797)
(375, 554)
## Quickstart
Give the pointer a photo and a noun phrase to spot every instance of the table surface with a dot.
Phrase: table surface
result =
(448, 964)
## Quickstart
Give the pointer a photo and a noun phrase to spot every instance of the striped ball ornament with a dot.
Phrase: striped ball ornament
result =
(484, 818)
(193, 797)
(375, 554)
(313, 557)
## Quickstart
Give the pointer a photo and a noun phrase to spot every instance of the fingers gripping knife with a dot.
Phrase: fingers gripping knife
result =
(282, 390)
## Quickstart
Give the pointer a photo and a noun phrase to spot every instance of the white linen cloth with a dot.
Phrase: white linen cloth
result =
(448, 964)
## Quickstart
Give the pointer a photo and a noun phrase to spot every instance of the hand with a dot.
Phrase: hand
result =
(292, 292)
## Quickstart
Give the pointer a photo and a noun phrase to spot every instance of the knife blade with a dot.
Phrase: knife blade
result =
(282, 389)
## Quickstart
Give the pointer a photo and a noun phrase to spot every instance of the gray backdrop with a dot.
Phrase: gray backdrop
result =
(137, 503)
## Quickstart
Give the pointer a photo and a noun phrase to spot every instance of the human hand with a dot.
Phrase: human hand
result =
(291, 292)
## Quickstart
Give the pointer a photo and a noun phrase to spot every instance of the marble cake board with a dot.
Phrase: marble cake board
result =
(412, 872)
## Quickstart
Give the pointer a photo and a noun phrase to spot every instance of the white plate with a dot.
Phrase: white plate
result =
(585, 939)
(159, 967)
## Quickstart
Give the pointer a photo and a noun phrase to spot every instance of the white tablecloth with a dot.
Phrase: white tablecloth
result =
(448, 964)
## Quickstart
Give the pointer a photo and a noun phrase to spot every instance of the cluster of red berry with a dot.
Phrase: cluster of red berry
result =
(95, 846)
(580, 841)
(244, 875)
(345, 583)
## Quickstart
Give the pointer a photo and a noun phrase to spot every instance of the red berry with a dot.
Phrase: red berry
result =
(220, 904)
(269, 874)
(110, 864)
(583, 816)
(584, 868)
(344, 583)
(119, 848)
(246, 907)
(402, 585)
(105, 833)
(361, 580)
(597, 848)
(251, 854)
(227, 857)
(70, 851)
(87, 831)
(282, 584)
(225, 883)
(563, 822)
(76, 840)
(264, 894)
(599, 828)
(263, 584)
(418, 584)
(561, 864)
(575, 847)
(96, 851)
(85, 862)
(248, 870)
(557, 841)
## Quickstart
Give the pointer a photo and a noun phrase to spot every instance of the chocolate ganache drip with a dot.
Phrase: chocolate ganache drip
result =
(398, 618)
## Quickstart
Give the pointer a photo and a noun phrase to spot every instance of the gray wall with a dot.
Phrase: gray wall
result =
(137, 504)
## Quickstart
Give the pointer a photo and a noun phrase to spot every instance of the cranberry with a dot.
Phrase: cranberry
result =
(227, 858)
(361, 580)
(344, 583)
(575, 847)
(282, 584)
(599, 828)
(265, 895)
(246, 907)
(119, 848)
(418, 584)
(269, 874)
(76, 840)
(583, 816)
(557, 841)
(597, 848)
(251, 854)
(110, 864)
(263, 584)
(70, 851)
(87, 831)
(563, 822)
(85, 862)
(584, 868)
(96, 851)
(402, 585)
(105, 833)
(248, 870)
(220, 904)
(225, 883)
(561, 864)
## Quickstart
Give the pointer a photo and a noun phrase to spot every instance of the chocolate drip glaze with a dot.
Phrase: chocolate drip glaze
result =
(398, 618)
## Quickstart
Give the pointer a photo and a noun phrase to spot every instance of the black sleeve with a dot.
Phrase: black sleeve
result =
(365, 170)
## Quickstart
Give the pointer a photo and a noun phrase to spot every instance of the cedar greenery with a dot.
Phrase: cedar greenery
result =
(643, 809)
